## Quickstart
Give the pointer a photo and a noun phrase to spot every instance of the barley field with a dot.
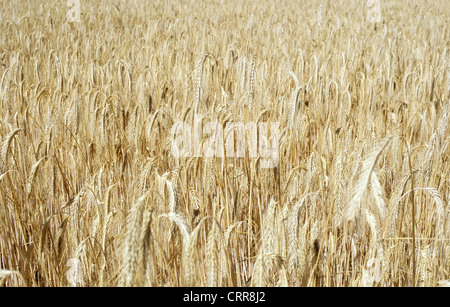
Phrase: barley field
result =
(92, 193)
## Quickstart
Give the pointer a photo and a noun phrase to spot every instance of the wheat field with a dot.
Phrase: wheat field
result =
(92, 195)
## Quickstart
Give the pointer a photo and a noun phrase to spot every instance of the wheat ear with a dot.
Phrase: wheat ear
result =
(354, 208)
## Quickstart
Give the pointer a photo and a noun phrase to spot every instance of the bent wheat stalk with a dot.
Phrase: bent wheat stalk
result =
(354, 208)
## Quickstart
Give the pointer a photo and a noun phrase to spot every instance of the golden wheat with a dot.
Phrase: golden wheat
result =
(91, 193)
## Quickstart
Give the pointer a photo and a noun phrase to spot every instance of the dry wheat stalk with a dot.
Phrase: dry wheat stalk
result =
(86, 130)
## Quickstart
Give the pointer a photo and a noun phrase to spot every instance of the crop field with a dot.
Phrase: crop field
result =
(224, 143)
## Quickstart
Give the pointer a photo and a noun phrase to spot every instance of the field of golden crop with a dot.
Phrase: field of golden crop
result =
(91, 193)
